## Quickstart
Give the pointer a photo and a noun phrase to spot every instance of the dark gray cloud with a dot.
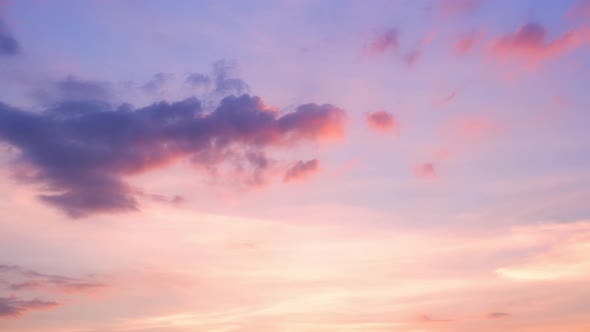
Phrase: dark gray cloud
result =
(81, 151)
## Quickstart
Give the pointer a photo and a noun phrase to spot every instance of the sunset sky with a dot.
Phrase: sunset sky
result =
(295, 166)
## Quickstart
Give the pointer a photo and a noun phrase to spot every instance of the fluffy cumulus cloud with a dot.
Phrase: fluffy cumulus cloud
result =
(381, 121)
(302, 170)
(82, 150)
(532, 43)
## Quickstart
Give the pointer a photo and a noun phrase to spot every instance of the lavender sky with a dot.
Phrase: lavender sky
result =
(295, 166)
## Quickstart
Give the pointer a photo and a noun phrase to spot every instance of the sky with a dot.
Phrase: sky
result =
(295, 166)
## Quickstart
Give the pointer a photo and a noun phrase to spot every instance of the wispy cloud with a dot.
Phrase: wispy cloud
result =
(497, 315)
(531, 44)
(384, 41)
(13, 308)
(467, 43)
(15, 279)
(441, 101)
(425, 170)
(302, 170)
(22, 279)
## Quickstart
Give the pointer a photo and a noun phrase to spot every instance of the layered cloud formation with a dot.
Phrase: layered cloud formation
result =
(11, 307)
(81, 150)
(21, 279)
(15, 279)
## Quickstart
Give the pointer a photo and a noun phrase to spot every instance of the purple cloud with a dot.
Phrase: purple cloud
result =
(17, 278)
(72, 89)
(302, 170)
(11, 307)
(386, 40)
(81, 151)
(9, 46)
(381, 121)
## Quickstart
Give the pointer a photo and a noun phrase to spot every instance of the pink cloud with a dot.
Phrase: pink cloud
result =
(497, 315)
(384, 41)
(581, 10)
(425, 171)
(382, 121)
(28, 280)
(429, 319)
(466, 43)
(428, 39)
(412, 57)
(460, 135)
(302, 170)
(472, 128)
(531, 43)
(11, 307)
